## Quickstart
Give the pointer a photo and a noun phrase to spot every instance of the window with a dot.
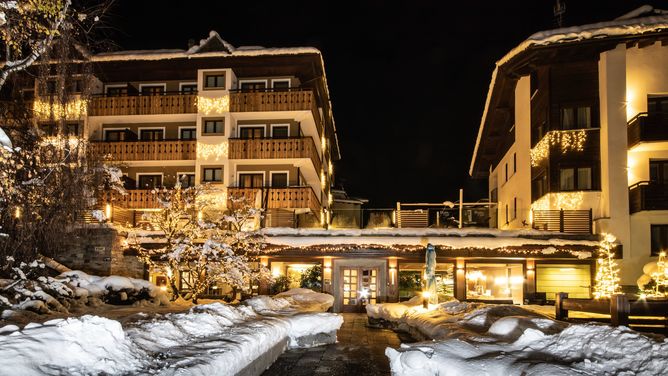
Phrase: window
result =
(50, 87)
(280, 85)
(279, 179)
(659, 236)
(117, 91)
(575, 117)
(657, 104)
(187, 180)
(514, 163)
(188, 133)
(152, 89)
(514, 208)
(214, 81)
(214, 126)
(506, 170)
(152, 134)
(280, 131)
(507, 219)
(149, 181)
(658, 172)
(72, 129)
(575, 178)
(49, 129)
(250, 86)
(119, 135)
(253, 180)
(251, 132)
(188, 88)
(213, 174)
(538, 187)
(76, 86)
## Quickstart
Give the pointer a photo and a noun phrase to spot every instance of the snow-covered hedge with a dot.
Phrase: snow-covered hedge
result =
(213, 339)
(474, 338)
(45, 294)
(297, 299)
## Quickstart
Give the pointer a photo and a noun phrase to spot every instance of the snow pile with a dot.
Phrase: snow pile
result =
(29, 291)
(474, 338)
(296, 299)
(209, 339)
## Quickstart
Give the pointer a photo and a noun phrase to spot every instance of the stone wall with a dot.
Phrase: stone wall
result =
(99, 251)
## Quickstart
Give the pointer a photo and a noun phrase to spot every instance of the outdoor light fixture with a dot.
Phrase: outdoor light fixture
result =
(425, 299)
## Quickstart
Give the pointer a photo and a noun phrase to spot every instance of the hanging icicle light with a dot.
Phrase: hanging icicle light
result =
(566, 140)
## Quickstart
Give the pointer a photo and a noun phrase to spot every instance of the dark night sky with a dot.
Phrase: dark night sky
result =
(408, 79)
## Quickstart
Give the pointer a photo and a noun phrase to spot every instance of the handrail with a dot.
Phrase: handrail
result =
(646, 114)
(641, 183)
(139, 94)
(271, 89)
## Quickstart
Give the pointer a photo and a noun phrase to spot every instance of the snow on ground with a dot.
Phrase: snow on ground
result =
(475, 338)
(296, 299)
(208, 339)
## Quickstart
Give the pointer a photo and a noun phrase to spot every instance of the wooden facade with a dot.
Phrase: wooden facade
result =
(142, 105)
(147, 150)
(280, 198)
(271, 148)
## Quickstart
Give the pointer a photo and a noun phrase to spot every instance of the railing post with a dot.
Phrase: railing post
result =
(559, 312)
(619, 310)
(561, 220)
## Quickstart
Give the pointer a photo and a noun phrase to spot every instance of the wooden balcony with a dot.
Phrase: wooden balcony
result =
(646, 195)
(143, 105)
(276, 148)
(136, 199)
(647, 127)
(147, 150)
(281, 198)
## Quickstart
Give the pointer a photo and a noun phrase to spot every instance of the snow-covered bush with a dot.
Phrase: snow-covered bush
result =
(203, 248)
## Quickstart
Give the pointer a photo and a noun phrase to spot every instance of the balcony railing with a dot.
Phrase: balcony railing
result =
(646, 195)
(143, 105)
(147, 150)
(136, 199)
(268, 148)
(571, 221)
(648, 127)
(295, 99)
(280, 198)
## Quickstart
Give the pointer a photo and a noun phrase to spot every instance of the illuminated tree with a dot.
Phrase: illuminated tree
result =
(202, 247)
(607, 270)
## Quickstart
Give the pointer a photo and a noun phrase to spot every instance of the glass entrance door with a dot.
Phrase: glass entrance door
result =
(359, 287)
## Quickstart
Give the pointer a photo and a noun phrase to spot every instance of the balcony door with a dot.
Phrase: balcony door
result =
(253, 86)
(251, 132)
(152, 134)
(251, 180)
(359, 287)
(657, 104)
(658, 172)
(152, 90)
(149, 181)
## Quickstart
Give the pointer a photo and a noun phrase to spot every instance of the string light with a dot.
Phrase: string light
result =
(566, 140)
(218, 151)
(607, 271)
(74, 109)
(656, 285)
(559, 200)
(213, 105)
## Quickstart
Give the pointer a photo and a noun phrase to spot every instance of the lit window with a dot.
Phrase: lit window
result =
(213, 174)
(214, 126)
(214, 81)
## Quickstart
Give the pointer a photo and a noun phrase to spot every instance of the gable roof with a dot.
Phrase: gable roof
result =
(637, 23)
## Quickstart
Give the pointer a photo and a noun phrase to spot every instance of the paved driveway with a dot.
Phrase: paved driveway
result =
(359, 351)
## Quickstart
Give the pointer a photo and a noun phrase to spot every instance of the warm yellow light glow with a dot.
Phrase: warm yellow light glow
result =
(163, 288)
(331, 168)
(426, 294)
(17, 212)
(264, 261)
(215, 152)
(323, 179)
(107, 211)
(200, 215)
(74, 109)
(631, 163)
(322, 218)
(559, 200)
(276, 271)
(217, 105)
(572, 140)
(330, 198)
(327, 262)
(607, 271)
(323, 140)
(630, 110)
(61, 142)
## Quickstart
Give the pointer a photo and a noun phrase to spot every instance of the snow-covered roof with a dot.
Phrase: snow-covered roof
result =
(643, 20)
(467, 238)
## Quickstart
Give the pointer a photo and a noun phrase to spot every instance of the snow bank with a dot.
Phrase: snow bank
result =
(113, 289)
(297, 299)
(474, 338)
(208, 339)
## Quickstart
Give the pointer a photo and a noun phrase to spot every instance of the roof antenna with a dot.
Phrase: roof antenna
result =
(559, 11)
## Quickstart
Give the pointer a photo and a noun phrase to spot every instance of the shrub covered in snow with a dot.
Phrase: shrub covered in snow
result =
(31, 291)
(297, 299)
(474, 339)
